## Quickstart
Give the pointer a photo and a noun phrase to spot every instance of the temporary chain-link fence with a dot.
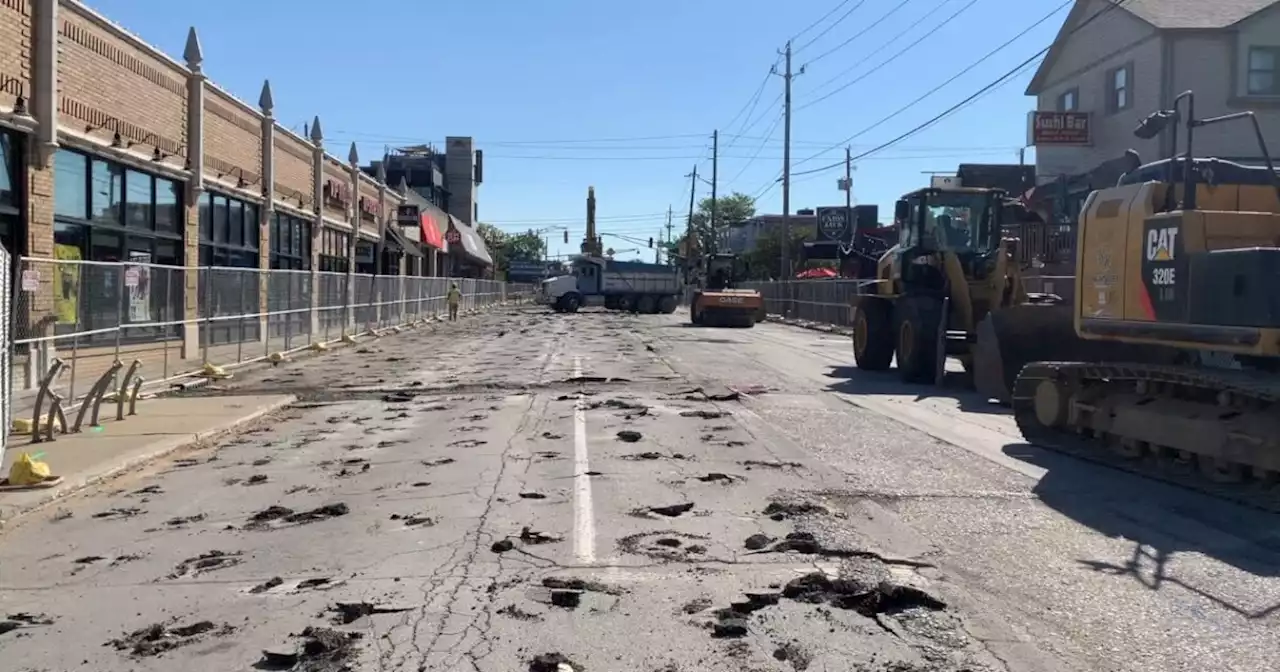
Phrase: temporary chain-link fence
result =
(830, 301)
(177, 322)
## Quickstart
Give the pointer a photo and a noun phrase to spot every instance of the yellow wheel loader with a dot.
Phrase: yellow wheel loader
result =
(1181, 257)
(951, 287)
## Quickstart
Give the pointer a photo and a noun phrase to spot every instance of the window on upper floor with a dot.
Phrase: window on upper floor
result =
(1069, 101)
(1263, 78)
(1120, 88)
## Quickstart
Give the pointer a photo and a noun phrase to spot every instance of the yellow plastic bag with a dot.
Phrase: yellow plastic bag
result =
(28, 471)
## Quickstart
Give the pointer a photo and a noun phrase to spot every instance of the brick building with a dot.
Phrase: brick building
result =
(112, 151)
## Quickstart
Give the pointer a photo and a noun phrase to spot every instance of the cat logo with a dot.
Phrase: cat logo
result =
(1160, 243)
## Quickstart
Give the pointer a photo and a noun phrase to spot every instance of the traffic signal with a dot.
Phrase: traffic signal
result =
(651, 242)
(566, 237)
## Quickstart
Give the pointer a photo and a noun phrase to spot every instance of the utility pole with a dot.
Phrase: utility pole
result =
(848, 190)
(715, 166)
(787, 76)
(693, 191)
(656, 258)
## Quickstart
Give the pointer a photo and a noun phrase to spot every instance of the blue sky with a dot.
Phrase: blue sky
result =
(563, 94)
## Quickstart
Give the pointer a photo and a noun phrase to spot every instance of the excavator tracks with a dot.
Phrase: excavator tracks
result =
(1216, 431)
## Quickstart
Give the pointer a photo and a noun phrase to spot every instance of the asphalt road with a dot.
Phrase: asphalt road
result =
(524, 490)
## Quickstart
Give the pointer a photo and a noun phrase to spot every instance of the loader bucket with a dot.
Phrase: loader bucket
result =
(1010, 338)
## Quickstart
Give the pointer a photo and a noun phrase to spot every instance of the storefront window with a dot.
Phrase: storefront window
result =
(334, 249)
(228, 232)
(290, 242)
(9, 184)
(104, 212)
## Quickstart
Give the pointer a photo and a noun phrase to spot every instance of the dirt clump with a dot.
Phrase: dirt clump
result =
(553, 662)
(629, 436)
(158, 638)
(784, 510)
(349, 612)
(757, 542)
(206, 562)
(322, 650)
(265, 517)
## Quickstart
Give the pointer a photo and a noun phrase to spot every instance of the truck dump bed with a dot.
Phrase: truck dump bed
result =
(635, 277)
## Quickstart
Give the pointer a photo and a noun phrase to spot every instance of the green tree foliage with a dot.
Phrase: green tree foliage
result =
(732, 209)
(506, 247)
(765, 261)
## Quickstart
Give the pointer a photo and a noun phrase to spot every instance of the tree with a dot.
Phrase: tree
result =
(735, 208)
(506, 247)
(765, 261)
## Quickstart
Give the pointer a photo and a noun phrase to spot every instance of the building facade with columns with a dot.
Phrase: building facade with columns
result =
(112, 151)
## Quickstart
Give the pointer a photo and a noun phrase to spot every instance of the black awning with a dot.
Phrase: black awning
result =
(397, 242)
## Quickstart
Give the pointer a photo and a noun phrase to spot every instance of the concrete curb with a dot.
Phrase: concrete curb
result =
(811, 326)
(74, 483)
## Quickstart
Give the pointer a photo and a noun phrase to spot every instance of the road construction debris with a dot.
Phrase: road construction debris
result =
(532, 495)
(23, 619)
(552, 436)
(502, 546)
(697, 605)
(512, 611)
(119, 512)
(466, 443)
(784, 510)
(704, 414)
(717, 477)
(645, 543)
(437, 462)
(777, 464)
(414, 520)
(267, 585)
(672, 510)
(265, 517)
(581, 585)
(757, 542)
(647, 455)
(534, 538)
(568, 599)
(322, 650)
(149, 490)
(617, 404)
(793, 653)
(345, 613)
(703, 394)
(206, 562)
(180, 521)
(629, 436)
(89, 559)
(256, 479)
(553, 662)
(158, 638)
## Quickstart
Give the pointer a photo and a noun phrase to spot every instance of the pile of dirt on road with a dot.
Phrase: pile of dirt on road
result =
(264, 518)
(322, 650)
(158, 638)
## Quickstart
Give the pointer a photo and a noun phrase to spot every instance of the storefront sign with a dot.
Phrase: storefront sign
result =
(1058, 129)
(131, 276)
(833, 223)
(452, 236)
(30, 280)
(337, 194)
(369, 209)
(408, 215)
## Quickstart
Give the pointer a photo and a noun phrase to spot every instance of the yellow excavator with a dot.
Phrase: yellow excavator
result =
(1182, 259)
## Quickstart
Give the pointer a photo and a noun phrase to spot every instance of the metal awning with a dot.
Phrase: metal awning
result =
(472, 245)
(396, 240)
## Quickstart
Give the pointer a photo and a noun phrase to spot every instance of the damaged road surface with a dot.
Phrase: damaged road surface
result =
(606, 493)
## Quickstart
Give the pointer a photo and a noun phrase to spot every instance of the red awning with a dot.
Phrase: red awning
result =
(431, 233)
(816, 274)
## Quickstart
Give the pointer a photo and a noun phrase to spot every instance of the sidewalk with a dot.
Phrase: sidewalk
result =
(161, 426)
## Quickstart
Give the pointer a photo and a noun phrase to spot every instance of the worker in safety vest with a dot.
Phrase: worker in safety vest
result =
(455, 297)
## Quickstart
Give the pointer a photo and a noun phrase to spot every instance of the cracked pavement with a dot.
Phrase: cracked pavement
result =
(523, 490)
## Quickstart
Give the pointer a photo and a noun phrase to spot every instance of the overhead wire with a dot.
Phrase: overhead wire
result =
(892, 58)
(860, 33)
(820, 19)
(956, 76)
(830, 26)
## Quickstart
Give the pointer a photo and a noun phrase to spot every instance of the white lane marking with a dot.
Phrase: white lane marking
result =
(584, 524)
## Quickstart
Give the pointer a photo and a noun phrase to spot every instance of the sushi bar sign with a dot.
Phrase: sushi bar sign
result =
(1058, 129)
(338, 195)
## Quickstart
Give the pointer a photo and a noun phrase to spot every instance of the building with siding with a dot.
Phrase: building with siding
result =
(1117, 63)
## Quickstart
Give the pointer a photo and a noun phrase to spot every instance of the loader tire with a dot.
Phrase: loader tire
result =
(873, 335)
(917, 319)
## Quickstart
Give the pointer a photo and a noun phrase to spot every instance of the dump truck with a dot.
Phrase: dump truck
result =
(1180, 258)
(631, 286)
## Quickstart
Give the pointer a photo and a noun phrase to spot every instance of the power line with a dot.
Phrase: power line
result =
(953, 78)
(819, 20)
(831, 25)
(892, 58)
(756, 154)
(860, 33)
(419, 140)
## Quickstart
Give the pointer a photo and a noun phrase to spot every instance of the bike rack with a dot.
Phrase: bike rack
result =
(124, 389)
(55, 413)
(55, 368)
(94, 398)
(133, 398)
